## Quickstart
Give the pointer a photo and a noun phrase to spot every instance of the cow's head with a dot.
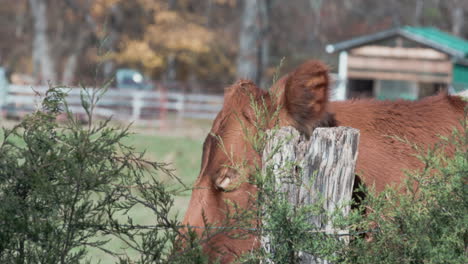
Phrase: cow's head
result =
(228, 156)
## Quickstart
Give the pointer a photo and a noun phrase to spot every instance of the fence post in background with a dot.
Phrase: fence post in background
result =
(163, 102)
(137, 105)
(180, 106)
(3, 89)
(328, 159)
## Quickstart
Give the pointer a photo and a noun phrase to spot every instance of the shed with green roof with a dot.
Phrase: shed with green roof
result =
(406, 62)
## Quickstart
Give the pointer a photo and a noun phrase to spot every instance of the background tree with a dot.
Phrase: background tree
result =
(253, 54)
(43, 64)
(206, 42)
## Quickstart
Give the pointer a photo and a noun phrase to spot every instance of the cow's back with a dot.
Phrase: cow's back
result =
(382, 158)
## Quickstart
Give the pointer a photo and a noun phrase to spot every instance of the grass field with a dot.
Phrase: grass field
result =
(183, 152)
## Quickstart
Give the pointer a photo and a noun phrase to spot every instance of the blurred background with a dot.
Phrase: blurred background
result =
(196, 45)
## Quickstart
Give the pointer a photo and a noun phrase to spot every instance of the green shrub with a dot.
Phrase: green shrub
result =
(424, 221)
(65, 187)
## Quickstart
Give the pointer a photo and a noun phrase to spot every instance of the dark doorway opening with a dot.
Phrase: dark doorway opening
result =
(360, 88)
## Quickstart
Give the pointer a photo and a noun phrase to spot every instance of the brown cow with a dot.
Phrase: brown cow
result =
(303, 95)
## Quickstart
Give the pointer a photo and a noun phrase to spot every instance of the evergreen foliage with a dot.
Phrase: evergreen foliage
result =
(65, 187)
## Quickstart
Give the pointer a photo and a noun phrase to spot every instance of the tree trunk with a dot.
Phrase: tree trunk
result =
(396, 16)
(264, 59)
(457, 20)
(253, 54)
(418, 12)
(171, 63)
(69, 69)
(112, 39)
(316, 6)
(208, 12)
(71, 63)
(326, 164)
(171, 70)
(43, 63)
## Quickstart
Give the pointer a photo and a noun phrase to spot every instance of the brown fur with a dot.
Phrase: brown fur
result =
(208, 197)
(303, 95)
(382, 157)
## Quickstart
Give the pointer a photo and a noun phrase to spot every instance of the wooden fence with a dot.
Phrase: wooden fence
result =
(122, 104)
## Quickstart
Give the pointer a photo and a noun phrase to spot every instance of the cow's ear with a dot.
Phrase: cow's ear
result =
(228, 179)
(305, 97)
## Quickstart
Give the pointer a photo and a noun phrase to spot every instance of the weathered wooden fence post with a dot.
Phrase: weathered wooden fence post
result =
(328, 159)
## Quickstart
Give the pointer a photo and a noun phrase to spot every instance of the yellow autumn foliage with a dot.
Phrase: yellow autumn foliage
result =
(139, 52)
(174, 32)
(190, 37)
(178, 33)
(171, 33)
(169, 17)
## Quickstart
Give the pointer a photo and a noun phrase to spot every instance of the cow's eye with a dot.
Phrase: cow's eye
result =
(226, 179)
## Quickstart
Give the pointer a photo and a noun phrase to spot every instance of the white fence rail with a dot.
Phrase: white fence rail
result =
(121, 104)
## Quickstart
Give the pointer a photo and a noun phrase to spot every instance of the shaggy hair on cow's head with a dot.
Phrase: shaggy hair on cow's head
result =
(239, 97)
(305, 97)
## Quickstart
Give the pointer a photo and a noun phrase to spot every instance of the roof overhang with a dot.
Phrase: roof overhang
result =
(463, 62)
(383, 35)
